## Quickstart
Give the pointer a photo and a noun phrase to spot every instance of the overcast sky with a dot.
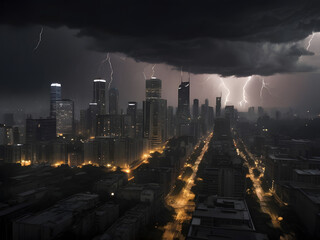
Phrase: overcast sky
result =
(220, 44)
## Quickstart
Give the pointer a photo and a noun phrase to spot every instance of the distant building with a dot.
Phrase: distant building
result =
(99, 95)
(113, 101)
(115, 126)
(65, 117)
(195, 109)
(218, 106)
(55, 95)
(6, 135)
(132, 112)
(183, 113)
(92, 114)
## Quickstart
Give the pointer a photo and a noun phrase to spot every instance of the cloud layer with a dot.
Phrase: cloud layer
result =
(229, 37)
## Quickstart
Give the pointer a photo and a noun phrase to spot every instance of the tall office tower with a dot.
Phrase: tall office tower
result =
(183, 112)
(132, 112)
(55, 95)
(218, 106)
(195, 110)
(153, 88)
(65, 117)
(99, 95)
(113, 101)
(154, 113)
(93, 112)
(157, 133)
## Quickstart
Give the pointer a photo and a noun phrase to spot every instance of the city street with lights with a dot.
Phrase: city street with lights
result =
(265, 198)
(183, 203)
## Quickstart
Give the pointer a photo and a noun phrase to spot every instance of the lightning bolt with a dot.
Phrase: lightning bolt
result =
(228, 91)
(310, 40)
(244, 100)
(264, 85)
(153, 71)
(40, 38)
(108, 59)
(111, 69)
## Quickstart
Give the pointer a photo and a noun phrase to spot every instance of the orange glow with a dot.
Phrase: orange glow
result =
(25, 163)
(57, 164)
(92, 137)
(129, 179)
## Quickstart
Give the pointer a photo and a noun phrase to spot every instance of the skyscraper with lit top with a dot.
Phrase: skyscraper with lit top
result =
(99, 95)
(55, 95)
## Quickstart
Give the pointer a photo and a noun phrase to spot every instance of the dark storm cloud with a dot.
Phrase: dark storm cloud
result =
(229, 37)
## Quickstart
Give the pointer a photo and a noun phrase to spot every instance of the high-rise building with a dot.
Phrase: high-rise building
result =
(154, 114)
(218, 106)
(55, 95)
(99, 95)
(183, 112)
(153, 88)
(132, 112)
(157, 121)
(92, 114)
(195, 109)
(113, 101)
(65, 117)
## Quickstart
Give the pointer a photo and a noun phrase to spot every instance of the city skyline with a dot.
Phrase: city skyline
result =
(59, 50)
(149, 120)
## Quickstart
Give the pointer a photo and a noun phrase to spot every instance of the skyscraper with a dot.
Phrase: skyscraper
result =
(99, 95)
(154, 113)
(92, 114)
(113, 101)
(55, 95)
(183, 113)
(132, 112)
(153, 88)
(218, 106)
(64, 117)
(195, 110)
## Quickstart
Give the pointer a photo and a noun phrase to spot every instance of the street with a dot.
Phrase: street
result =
(183, 203)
